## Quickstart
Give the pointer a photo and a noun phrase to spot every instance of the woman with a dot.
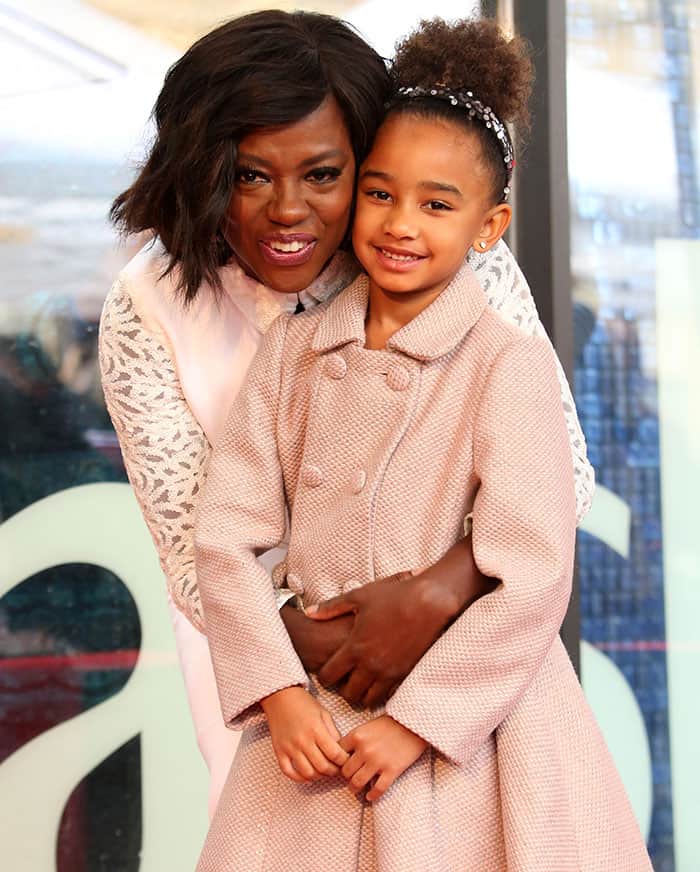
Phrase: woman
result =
(248, 189)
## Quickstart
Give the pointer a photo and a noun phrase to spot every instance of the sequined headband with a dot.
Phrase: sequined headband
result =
(476, 109)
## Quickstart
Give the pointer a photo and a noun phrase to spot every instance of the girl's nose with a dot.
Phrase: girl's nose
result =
(287, 205)
(400, 224)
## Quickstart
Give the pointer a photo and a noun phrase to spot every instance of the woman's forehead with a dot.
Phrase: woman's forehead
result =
(321, 133)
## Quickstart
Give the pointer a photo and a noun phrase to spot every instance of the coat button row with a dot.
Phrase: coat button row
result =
(312, 476)
(358, 480)
(335, 366)
(398, 378)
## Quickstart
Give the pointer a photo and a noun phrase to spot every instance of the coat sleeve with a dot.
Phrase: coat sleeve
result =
(242, 513)
(508, 292)
(523, 534)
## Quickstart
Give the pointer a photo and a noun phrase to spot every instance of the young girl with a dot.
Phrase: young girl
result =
(380, 421)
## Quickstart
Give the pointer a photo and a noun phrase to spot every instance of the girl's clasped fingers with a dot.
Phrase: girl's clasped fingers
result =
(362, 777)
(321, 762)
(381, 785)
(288, 769)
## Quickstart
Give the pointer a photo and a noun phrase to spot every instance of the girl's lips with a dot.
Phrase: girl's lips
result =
(388, 262)
(287, 258)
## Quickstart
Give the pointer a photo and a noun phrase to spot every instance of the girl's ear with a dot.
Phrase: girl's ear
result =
(495, 225)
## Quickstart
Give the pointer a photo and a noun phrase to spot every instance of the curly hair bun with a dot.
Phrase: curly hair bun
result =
(473, 54)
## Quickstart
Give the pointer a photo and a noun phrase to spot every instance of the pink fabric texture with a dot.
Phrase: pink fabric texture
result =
(378, 456)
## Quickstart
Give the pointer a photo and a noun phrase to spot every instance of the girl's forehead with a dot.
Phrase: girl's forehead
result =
(407, 138)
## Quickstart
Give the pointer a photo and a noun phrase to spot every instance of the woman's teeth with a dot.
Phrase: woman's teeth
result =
(288, 247)
(404, 258)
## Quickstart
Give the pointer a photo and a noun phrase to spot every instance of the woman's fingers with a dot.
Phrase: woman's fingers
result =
(337, 667)
(377, 694)
(357, 685)
(332, 608)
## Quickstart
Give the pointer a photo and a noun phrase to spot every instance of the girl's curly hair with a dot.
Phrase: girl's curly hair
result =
(471, 54)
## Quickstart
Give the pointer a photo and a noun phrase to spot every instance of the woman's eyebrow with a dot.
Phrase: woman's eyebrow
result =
(329, 154)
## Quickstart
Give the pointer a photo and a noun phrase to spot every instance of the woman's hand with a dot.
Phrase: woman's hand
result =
(304, 737)
(396, 622)
(381, 749)
(315, 641)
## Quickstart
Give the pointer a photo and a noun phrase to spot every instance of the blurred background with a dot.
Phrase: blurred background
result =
(98, 764)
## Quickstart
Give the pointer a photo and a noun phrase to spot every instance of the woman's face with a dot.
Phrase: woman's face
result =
(292, 199)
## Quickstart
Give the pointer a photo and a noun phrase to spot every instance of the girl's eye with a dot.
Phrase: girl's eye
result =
(439, 206)
(323, 175)
(249, 176)
(378, 195)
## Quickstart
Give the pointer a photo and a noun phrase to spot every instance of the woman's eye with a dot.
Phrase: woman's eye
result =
(249, 176)
(323, 175)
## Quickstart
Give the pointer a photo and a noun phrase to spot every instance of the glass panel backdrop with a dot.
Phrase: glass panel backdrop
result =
(632, 90)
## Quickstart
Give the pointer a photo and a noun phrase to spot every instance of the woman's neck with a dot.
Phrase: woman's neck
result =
(389, 311)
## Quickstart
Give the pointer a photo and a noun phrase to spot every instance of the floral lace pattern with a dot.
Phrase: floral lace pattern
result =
(165, 450)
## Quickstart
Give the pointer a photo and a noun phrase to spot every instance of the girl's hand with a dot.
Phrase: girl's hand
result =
(304, 737)
(381, 749)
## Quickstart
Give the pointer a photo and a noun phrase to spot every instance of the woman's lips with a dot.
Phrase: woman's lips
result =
(395, 260)
(288, 250)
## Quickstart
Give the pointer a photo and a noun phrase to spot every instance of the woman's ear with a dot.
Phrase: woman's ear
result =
(495, 225)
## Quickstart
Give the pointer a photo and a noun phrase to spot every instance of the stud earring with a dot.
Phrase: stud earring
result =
(482, 245)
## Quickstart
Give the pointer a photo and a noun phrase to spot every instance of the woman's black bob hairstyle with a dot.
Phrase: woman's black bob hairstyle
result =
(261, 70)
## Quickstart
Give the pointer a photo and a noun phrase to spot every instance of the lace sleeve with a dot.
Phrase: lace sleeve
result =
(164, 448)
(507, 292)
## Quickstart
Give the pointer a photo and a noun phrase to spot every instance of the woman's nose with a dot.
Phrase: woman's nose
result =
(288, 205)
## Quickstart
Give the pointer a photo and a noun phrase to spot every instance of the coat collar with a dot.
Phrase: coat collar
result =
(430, 335)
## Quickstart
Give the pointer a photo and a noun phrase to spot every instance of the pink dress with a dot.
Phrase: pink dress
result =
(378, 456)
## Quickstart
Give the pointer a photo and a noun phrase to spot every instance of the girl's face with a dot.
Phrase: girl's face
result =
(292, 199)
(422, 202)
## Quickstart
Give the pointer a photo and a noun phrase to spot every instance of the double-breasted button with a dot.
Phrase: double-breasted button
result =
(294, 583)
(358, 480)
(312, 475)
(398, 378)
(335, 366)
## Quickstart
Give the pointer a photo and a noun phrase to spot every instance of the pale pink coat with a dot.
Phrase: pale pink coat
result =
(379, 456)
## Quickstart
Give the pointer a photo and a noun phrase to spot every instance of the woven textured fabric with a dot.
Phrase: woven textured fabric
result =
(379, 456)
(169, 374)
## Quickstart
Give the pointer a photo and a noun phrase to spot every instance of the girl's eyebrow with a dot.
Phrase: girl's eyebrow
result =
(426, 185)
